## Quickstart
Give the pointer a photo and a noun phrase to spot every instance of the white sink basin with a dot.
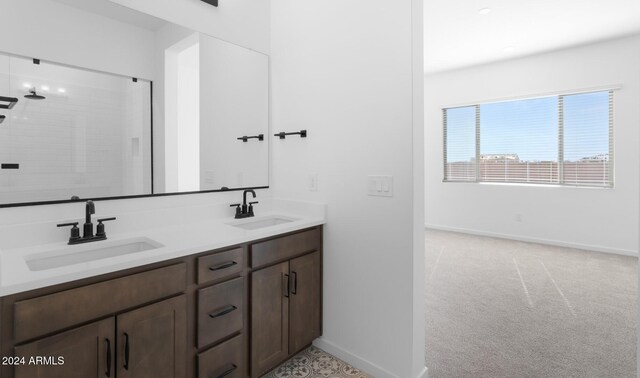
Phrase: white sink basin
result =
(75, 254)
(256, 223)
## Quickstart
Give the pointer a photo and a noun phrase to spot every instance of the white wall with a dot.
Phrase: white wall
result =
(598, 219)
(234, 92)
(188, 97)
(56, 32)
(343, 71)
(242, 22)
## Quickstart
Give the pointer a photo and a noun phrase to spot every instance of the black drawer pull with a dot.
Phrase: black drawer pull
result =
(126, 351)
(294, 276)
(223, 266)
(287, 287)
(228, 371)
(222, 312)
(107, 345)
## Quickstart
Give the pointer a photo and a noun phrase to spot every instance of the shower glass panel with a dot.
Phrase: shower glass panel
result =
(90, 136)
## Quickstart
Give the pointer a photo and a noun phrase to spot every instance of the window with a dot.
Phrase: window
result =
(560, 140)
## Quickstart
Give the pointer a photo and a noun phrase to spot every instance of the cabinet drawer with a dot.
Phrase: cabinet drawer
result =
(220, 311)
(284, 247)
(225, 360)
(219, 265)
(49, 313)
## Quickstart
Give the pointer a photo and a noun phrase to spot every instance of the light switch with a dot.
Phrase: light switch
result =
(381, 186)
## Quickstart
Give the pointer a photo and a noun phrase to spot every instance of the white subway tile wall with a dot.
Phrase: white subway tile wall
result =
(90, 136)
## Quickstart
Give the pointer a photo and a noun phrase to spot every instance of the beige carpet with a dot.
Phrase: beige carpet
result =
(502, 308)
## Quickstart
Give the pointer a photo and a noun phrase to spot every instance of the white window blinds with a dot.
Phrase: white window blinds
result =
(566, 140)
(460, 144)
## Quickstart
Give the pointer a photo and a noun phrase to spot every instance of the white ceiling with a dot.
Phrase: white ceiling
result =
(456, 35)
(117, 12)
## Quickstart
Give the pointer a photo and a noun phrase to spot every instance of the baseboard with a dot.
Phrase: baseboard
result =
(588, 247)
(357, 361)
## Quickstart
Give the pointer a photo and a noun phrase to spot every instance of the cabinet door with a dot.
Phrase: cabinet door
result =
(87, 351)
(152, 341)
(304, 307)
(269, 320)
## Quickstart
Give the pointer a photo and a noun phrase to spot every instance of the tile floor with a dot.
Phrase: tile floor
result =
(315, 363)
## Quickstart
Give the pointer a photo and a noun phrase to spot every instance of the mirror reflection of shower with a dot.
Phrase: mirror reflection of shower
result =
(33, 95)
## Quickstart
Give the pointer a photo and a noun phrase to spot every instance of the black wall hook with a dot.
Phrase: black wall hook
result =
(282, 135)
(246, 138)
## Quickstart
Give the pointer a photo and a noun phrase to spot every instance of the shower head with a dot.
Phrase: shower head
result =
(33, 95)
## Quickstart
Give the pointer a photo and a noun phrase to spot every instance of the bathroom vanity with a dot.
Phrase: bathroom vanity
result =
(234, 311)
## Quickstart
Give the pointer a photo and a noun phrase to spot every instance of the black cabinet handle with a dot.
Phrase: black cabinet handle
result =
(222, 312)
(228, 371)
(107, 370)
(225, 265)
(286, 286)
(294, 275)
(126, 351)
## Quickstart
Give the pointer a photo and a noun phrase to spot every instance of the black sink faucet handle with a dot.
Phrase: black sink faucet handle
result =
(100, 228)
(250, 210)
(237, 206)
(75, 231)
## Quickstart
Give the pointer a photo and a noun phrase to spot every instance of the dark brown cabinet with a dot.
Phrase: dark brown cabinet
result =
(225, 360)
(286, 310)
(83, 352)
(269, 317)
(220, 311)
(304, 301)
(152, 341)
(148, 342)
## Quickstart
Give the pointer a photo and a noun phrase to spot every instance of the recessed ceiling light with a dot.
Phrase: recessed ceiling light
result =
(484, 11)
(509, 49)
(26, 85)
(45, 88)
(61, 90)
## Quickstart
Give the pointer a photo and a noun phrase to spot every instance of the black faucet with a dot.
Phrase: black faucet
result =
(245, 210)
(87, 235)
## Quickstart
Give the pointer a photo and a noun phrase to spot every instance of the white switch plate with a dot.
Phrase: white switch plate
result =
(381, 186)
(313, 182)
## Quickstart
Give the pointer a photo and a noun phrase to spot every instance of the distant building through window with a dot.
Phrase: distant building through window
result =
(560, 140)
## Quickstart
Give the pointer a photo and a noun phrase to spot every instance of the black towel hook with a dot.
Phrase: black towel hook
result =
(282, 135)
(246, 138)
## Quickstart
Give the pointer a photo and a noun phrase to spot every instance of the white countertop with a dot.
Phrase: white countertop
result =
(177, 240)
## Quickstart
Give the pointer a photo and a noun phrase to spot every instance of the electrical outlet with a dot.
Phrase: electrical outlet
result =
(313, 182)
